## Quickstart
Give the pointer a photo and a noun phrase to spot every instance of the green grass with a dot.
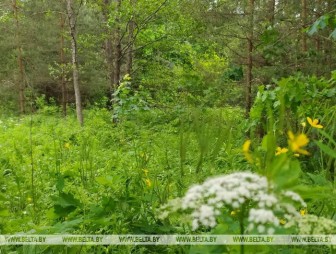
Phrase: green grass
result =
(106, 177)
(111, 177)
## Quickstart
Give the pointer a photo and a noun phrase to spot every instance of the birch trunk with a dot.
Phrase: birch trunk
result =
(73, 38)
(21, 76)
(62, 59)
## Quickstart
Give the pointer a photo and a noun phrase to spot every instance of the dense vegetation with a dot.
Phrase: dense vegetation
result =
(112, 110)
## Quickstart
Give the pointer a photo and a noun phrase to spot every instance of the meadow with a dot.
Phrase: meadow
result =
(124, 172)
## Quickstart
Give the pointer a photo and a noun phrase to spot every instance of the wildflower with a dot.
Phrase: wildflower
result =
(148, 182)
(296, 143)
(270, 231)
(262, 216)
(303, 211)
(294, 196)
(205, 202)
(280, 150)
(313, 225)
(207, 215)
(261, 229)
(303, 124)
(282, 221)
(314, 123)
(246, 151)
(234, 212)
(246, 146)
(67, 145)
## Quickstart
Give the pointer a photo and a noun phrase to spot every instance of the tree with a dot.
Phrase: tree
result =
(105, 7)
(130, 41)
(72, 19)
(249, 76)
(21, 74)
(304, 24)
(117, 46)
(63, 63)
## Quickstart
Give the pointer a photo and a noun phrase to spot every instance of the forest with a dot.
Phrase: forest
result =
(168, 117)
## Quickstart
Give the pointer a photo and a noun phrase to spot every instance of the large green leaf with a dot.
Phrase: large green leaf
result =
(65, 203)
(284, 172)
(309, 192)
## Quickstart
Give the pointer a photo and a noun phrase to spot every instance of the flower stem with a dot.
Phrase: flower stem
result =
(242, 229)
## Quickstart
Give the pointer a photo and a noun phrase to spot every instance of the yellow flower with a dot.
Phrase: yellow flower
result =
(303, 124)
(282, 221)
(246, 146)
(314, 123)
(303, 211)
(234, 213)
(280, 150)
(148, 182)
(246, 151)
(67, 145)
(296, 143)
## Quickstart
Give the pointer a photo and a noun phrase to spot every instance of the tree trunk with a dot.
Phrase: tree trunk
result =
(73, 35)
(62, 58)
(249, 76)
(318, 42)
(271, 14)
(329, 45)
(21, 76)
(108, 47)
(117, 48)
(304, 24)
(129, 56)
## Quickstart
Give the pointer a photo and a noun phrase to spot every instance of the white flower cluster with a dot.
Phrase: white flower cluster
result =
(238, 191)
(312, 225)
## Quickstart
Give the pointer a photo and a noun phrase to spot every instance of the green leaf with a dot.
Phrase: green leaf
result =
(50, 214)
(64, 204)
(60, 184)
(327, 136)
(2, 197)
(68, 226)
(104, 180)
(66, 200)
(326, 149)
(319, 180)
(313, 192)
(4, 212)
(283, 172)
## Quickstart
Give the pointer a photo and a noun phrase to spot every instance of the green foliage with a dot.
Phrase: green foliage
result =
(292, 100)
(177, 117)
(46, 107)
(323, 22)
(127, 100)
(106, 178)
